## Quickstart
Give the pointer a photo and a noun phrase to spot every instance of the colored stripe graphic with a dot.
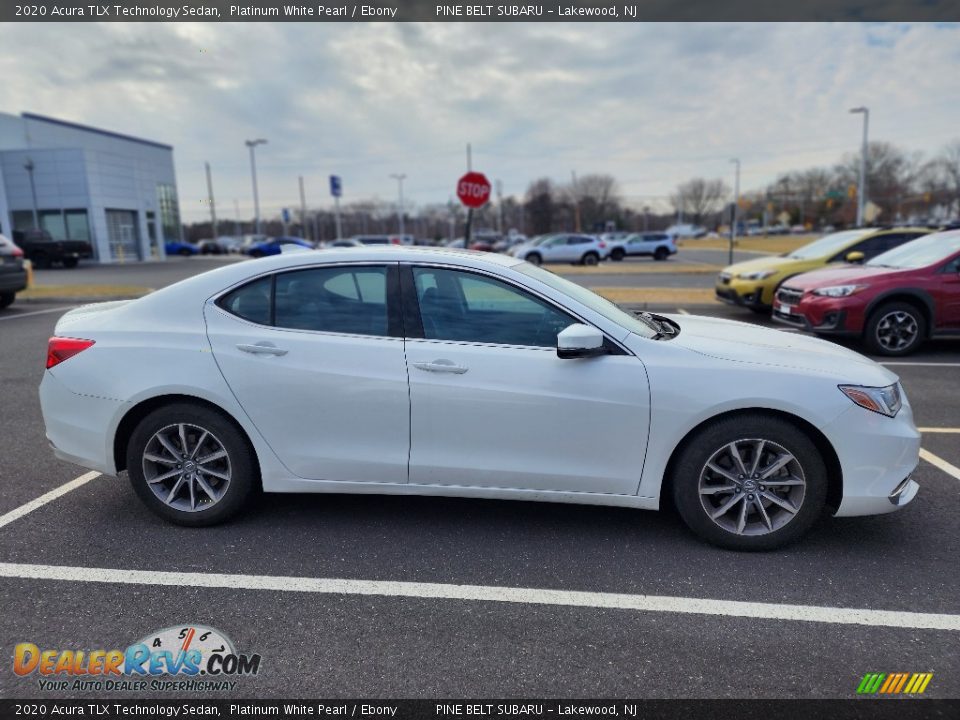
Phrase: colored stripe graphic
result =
(894, 683)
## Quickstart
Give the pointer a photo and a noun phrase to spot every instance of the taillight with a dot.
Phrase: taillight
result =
(17, 252)
(602, 245)
(60, 349)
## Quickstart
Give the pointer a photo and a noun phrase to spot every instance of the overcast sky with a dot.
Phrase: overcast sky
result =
(651, 104)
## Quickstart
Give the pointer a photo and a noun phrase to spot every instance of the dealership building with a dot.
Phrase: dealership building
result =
(81, 183)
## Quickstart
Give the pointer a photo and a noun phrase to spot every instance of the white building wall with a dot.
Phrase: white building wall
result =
(83, 168)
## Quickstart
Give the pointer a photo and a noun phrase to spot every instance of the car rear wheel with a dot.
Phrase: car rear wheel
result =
(617, 254)
(896, 328)
(661, 253)
(750, 483)
(184, 252)
(190, 465)
(70, 262)
(590, 258)
(6, 299)
(534, 258)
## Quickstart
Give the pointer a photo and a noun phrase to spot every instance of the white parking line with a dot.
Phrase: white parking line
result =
(939, 462)
(37, 312)
(922, 364)
(940, 430)
(682, 311)
(488, 593)
(47, 497)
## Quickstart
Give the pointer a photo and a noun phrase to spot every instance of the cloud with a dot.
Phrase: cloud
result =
(652, 104)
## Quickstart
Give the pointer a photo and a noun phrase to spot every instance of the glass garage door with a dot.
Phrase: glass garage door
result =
(123, 234)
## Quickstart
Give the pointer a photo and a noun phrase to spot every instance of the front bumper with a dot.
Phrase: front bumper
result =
(877, 456)
(821, 315)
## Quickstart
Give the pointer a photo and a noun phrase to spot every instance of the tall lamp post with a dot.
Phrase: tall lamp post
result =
(29, 166)
(862, 186)
(399, 178)
(253, 173)
(736, 208)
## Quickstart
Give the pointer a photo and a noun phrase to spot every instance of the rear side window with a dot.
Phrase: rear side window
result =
(349, 300)
(251, 302)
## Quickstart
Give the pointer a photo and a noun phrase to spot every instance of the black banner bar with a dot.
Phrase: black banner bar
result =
(854, 709)
(422, 11)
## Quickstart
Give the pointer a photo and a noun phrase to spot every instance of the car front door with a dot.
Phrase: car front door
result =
(315, 357)
(491, 404)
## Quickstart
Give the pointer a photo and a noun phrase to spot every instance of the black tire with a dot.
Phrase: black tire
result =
(534, 258)
(259, 254)
(760, 309)
(242, 465)
(690, 468)
(880, 338)
(617, 254)
(590, 258)
(70, 262)
(183, 252)
(661, 254)
(40, 260)
(6, 299)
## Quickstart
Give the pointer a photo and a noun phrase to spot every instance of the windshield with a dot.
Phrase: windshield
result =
(927, 250)
(586, 297)
(827, 244)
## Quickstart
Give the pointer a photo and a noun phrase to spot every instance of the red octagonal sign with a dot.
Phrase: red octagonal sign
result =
(473, 189)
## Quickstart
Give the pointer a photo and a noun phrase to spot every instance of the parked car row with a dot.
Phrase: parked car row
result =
(590, 249)
(890, 288)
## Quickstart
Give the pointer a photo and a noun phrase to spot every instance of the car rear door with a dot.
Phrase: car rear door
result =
(315, 357)
(491, 404)
(949, 300)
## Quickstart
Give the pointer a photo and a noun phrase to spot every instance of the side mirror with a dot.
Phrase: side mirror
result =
(580, 341)
(855, 257)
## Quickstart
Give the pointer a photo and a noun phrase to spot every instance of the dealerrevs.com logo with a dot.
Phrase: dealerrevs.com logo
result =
(183, 658)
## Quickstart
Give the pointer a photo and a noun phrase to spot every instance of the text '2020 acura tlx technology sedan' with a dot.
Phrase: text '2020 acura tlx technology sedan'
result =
(436, 372)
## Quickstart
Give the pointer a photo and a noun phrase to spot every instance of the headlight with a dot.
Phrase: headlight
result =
(757, 275)
(884, 400)
(838, 290)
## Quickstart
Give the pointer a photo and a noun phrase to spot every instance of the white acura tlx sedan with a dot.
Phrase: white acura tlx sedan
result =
(436, 372)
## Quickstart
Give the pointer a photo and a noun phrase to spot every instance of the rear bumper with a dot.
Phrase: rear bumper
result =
(13, 281)
(77, 426)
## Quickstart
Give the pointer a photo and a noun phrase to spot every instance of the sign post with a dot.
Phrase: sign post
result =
(473, 189)
(336, 189)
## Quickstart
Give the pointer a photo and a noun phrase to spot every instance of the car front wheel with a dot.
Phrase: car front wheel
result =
(191, 465)
(617, 254)
(894, 329)
(6, 299)
(534, 258)
(750, 483)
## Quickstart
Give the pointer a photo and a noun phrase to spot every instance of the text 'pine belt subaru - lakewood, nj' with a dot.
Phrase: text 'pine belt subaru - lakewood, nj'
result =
(357, 370)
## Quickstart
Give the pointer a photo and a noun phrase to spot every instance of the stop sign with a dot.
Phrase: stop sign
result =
(473, 189)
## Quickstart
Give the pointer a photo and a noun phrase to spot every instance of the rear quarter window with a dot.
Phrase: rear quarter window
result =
(250, 302)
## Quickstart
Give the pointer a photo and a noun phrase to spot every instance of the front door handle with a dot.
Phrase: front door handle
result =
(441, 366)
(262, 348)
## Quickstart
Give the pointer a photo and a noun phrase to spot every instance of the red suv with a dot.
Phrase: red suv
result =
(893, 302)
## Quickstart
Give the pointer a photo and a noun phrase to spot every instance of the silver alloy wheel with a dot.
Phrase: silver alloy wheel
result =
(752, 487)
(897, 330)
(187, 467)
(590, 259)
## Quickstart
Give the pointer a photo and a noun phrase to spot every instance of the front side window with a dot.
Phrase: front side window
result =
(467, 307)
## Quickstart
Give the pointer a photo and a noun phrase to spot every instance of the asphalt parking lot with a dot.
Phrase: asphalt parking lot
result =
(418, 640)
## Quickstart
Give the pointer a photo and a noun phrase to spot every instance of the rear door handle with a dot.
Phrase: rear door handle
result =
(441, 366)
(262, 348)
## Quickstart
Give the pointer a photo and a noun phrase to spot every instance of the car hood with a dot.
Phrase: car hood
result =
(842, 275)
(763, 263)
(743, 342)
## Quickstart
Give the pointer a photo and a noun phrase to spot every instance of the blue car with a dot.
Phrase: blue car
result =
(272, 246)
(175, 247)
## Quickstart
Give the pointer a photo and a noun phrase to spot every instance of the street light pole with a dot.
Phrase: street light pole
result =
(253, 174)
(29, 166)
(862, 187)
(736, 209)
(399, 178)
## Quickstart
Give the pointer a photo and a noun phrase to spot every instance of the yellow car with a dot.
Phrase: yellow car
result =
(752, 283)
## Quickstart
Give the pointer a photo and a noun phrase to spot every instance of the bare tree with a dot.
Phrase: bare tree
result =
(541, 206)
(699, 197)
